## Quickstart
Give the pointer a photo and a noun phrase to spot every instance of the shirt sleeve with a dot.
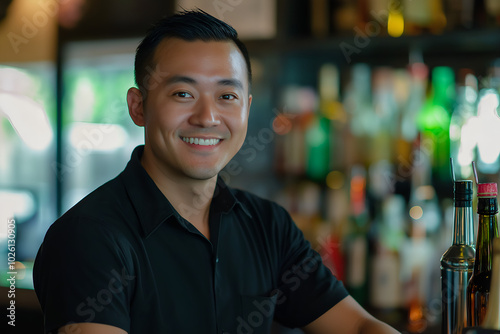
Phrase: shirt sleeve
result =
(306, 287)
(81, 275)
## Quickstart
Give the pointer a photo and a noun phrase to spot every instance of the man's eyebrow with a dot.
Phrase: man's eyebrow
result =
(179, 79)
(231, 82)
(185, 79)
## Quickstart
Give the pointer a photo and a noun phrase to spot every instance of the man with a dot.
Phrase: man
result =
(167, 247)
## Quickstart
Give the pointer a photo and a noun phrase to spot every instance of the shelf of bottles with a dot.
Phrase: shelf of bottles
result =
(362, 148)
(366, 172)
(393, 18)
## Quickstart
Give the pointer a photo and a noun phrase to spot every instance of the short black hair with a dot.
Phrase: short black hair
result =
(189, 26)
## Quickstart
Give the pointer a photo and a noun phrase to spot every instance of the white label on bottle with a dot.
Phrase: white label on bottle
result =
(385, 283)
(357, 261)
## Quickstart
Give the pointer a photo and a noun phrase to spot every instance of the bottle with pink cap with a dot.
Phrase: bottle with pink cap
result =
(478, 288)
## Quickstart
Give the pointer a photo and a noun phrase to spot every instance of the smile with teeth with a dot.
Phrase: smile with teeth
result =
(201, 141)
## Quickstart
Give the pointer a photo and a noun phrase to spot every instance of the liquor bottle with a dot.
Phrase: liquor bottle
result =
(434, 121)
(358, 105)
(492, 9)
(492, 318)
(479, 284)
(459, 14)
(320, 18)
(491, 323)
(424, 16)
(386, 112)
(385, 278)
(395, 21)
(319, 132)
(458, 261)
(356, 242)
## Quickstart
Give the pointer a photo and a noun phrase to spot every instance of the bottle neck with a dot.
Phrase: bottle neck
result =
(463, 228)
(487, 231)
(487, 206)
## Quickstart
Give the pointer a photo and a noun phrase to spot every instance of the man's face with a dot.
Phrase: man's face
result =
(196, 110)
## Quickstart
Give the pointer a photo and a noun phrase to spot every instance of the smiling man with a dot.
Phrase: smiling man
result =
(166, 246)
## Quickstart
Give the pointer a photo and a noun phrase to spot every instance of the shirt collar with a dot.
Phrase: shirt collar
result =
(153, 208)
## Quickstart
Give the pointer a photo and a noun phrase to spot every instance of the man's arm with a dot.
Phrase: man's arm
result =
(90, 328)
(348, 317)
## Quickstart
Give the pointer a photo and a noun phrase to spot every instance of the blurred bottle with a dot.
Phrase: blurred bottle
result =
(434, 123)
(395, 21)
(425, 16)
(457, 262)
(479, 284)
(385, 281)
(461, 146)
(332, 109)
(425, 220)
(491, 323)
(290, 124)
(359, 110)
(388, 224)
(322, 134)
(320, 18)
(357, 238)
(385, 119)
(492, 318)
(459, 14)
(493, 11)
(480, 15)
(345, 16)
(317, 140)
(377, 17)
(419, 74)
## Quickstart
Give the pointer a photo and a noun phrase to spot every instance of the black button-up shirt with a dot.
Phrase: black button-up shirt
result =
(123, 256)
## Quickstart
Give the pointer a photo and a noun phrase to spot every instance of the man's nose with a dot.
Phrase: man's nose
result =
(205, 113)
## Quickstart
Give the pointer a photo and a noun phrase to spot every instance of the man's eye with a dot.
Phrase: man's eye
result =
(228, 97)
(183, 94)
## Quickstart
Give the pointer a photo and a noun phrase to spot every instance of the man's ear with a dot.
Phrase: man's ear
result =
(249, 104)
(135, 106)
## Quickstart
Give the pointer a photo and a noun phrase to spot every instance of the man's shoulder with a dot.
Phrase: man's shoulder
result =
(104, 208)
(103, 199)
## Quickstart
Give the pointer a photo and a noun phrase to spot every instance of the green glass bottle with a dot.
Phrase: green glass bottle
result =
(478, 288)
(434, 121)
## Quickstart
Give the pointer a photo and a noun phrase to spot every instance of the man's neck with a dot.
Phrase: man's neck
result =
(191, 198)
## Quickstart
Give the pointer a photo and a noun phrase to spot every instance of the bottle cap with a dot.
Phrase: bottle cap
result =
(463, 191)
(487, 190)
